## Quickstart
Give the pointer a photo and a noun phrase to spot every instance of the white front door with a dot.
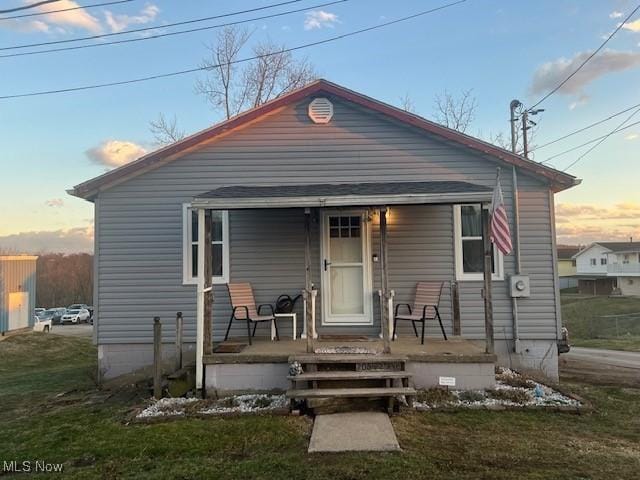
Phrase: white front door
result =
(346, 269)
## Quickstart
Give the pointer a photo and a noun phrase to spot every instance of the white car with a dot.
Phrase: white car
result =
(42, 325)
(75, 316)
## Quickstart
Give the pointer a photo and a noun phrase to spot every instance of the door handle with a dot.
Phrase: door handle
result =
(326, 264)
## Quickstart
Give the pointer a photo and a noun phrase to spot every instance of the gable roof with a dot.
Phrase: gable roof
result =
(613, 247)
(621, 246)
(558, 180)
(567, 252)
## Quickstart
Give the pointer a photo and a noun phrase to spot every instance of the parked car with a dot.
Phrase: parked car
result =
(53, 314)
(78, 315)
(39, 311)
(78, 306)
(42, 325)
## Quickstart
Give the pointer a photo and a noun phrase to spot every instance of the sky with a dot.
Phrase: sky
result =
(501, 49)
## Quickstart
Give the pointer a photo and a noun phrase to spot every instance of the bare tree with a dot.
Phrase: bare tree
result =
(407, 104)
(233, 87)
(165, 130)
(455, 112)
(503, 140)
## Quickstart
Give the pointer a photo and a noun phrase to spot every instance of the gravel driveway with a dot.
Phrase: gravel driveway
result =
(83, 330)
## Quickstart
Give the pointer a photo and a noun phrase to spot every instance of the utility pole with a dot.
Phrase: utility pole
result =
(512, 108)
(525, 128)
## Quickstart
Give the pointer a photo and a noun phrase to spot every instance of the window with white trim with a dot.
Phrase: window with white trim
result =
(469, 247)
(219, 245)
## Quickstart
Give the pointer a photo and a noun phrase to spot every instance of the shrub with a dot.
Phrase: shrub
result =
(229, 402)
(436, 396)
(509, 395)
(262, 402)
(516, 381)
(471, 396)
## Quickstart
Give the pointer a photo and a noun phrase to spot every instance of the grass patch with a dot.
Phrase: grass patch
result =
(602, 322)
(87, 430)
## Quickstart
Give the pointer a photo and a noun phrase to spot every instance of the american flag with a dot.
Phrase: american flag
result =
(499, 226)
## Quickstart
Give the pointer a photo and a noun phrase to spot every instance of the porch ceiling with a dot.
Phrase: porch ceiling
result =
(342, 194)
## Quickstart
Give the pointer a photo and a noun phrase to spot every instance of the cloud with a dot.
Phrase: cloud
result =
(55, 203)
(550, 74)
(317, 19)
(65, 22)
(73, 240)
(632, 26)
(79, 18)
(615, 14)
(114, 153)
(586, 223)
(120, 22)
(631, 136)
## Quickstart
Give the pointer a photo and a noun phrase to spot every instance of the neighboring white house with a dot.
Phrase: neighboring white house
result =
(603, 267)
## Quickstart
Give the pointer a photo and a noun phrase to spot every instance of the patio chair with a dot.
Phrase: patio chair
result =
(244, 308)
(425, 307)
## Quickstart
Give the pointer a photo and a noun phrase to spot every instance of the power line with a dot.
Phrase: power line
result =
(145, 29)
(588, 143)
(243, 60)
(168, 34)
(575, 132)
(27, 7)
(48, 12)
(602, 140)
(554, 90)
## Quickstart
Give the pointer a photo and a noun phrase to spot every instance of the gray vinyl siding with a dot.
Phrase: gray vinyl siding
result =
(139, 269)
(16, 276)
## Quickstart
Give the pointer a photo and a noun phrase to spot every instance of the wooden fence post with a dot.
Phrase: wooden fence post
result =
(157, 358)
(179, 322)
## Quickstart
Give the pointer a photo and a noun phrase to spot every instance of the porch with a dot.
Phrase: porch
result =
(361, 303)
(264, 365)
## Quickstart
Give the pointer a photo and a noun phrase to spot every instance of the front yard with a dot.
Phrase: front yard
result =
(51, 410)
(602, 322)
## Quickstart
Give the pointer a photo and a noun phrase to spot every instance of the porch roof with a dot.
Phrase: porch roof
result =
(341, 195)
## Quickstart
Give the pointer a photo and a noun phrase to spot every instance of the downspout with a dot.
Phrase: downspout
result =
(516, 232)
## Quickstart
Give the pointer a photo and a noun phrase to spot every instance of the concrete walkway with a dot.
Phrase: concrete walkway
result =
(353, 432)
(613, 358)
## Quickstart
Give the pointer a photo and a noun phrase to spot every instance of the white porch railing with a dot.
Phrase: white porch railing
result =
(623, 268)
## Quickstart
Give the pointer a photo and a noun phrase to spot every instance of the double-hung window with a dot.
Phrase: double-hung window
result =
(219, 245)
(469, 247)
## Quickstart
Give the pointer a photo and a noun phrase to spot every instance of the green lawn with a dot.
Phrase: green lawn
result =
(87, 430)
(602, 322)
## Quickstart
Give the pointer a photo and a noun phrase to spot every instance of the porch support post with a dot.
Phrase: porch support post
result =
(200, 304)
(208, 284)
(488, 303)
(307, 279)
(384, 282)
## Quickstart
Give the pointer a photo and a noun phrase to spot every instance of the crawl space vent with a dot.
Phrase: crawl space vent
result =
(320, 110)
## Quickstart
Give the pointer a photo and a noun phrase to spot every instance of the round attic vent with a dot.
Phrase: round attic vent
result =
(320, 110)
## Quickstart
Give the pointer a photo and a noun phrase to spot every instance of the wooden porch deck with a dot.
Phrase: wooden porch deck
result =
(263, 350)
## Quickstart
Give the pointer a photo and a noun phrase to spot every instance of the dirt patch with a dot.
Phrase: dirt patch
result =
(597, 374)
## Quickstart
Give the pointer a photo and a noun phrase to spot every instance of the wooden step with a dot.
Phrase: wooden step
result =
(351, 392)
(347, 358)
(340, 375)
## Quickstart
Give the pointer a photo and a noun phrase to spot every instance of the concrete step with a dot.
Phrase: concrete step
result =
(319, 358)
(341, 375)
(351, 392)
